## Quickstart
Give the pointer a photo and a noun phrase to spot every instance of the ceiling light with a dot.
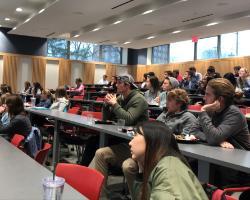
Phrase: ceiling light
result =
(117, 22)
(147, 12)
(14, 28)
(41, 11)
(27, 20)
(212, 24)
(96, 29)
(7, 19)
(176, 32)
(126, 42)
(150, 37)
(75, 36)
(19, 9)
(0, 25)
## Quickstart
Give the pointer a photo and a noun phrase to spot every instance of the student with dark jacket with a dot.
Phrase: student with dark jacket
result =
(46, 99)
(19, 122)
(220, 122)
(133, 108)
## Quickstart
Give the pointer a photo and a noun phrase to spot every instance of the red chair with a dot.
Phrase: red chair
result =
(42, 154)
(97, 115)
(85, 180)
(16, 140)
(78, 97)
(196, 107)
(101, 99)
(74, 110)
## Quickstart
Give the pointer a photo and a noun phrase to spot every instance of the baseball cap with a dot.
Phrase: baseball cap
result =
(127, 78)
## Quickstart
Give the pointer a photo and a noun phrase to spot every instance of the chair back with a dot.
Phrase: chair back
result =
(42, 154)
(196, 107)
(97, 115)
(85, 180)
(78, 97)
(17, 139)
(74, 110)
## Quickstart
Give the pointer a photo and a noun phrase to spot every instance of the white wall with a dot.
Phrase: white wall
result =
(52, 74)
(100, 70)
(24, 72)
(120, 70)
(149, 56)
(124, 56)
(76, 71)
(1, 69)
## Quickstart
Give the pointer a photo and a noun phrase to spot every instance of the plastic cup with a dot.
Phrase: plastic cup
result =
(33, 101)
(120, 124)
(53, 189)
(90, 119)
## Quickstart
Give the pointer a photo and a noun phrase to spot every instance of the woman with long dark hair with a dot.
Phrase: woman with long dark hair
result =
(153, 86)
(166, 173)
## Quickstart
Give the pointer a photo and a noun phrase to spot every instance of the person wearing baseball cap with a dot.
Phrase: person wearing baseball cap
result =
(131, 106)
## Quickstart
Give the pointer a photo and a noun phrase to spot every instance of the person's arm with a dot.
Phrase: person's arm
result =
(106, 112)
(216, 135)
(196, 130)
(133, 113)
(10, 128)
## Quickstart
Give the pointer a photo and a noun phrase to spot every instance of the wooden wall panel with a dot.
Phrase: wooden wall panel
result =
(110, 70)
(88, 73)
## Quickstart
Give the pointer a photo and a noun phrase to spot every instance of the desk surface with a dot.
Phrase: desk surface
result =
(21, 176)
(235, 159)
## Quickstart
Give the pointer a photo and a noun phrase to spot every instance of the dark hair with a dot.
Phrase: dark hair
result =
(79, 80)
(237, 68)
(15, 105)
(27, 85)
(169, 73)
(61, 92)
(3, 98)
(36, 87)
(176, 73)
(160, 142)
(151, 74)
(230, 76)
(192, 69)
(145, 75)
(211, 69)
(154, 81)
(5, 89)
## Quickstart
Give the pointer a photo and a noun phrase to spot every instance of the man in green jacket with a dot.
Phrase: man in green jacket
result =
(133, 108)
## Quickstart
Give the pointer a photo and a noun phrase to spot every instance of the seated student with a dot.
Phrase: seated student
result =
(79, 89)
(5, 119)
(177, 75)
(112, 83)
(27, 88)
(212, 73)
(236, 71)
(5, 89)
(61, 100)
(19, 122)
(104, 80)
(190, 81)
(177, 118)
(198, 75)
(46, 99)
(144, 82)
(165, 173)
(37, 89)
(220, 122)
(243, 82)
(153, 86)
(133, 108)
(167, 85)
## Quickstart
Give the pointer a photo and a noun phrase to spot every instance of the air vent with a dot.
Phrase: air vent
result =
(50, 34)
(122, 4)
(201, 17)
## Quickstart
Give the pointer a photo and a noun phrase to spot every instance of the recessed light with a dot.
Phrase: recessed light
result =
(0, 25)
(147, 12)
(150, 37)
(27, 20)
(14, 28)
(126, 42)
(212, 24)
(41, 11)
(96, 29)
(7, 19)
(75, 36)
(19, 9)
(118, 22)
(176, 32)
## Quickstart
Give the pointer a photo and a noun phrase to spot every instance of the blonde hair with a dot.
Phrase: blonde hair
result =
(223, 88)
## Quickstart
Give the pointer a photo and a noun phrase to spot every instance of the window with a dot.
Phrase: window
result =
(57, 48)
(244, 43)
(84, 51)
(182, 51)
(207, 48)
(111, 54)
(228, 45)
(160, 54)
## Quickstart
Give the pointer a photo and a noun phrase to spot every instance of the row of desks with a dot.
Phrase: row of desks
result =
(21, 176)
(206, 155)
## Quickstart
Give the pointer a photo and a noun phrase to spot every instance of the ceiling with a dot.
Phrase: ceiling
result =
(69, 18)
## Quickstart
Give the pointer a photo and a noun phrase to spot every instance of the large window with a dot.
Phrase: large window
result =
(228, 45)
(83, 51)
(182, 51)
(244, 43)
(160, 54)
(207, 48)
(57, 48)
